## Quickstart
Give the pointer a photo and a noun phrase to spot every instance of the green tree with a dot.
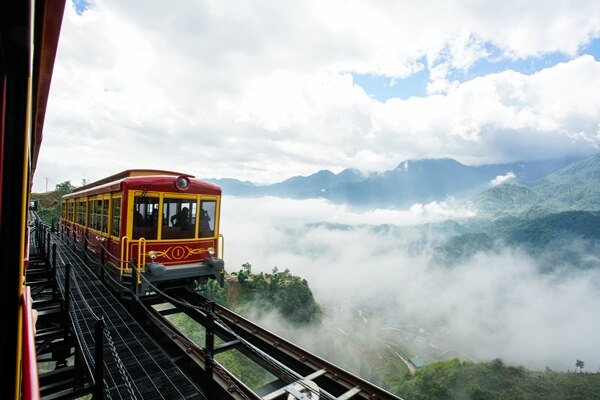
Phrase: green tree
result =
(294, 300)
(213, 290)
(245, 272)
(579, 364)
(49, 206)
(64, 188)
(279, 291)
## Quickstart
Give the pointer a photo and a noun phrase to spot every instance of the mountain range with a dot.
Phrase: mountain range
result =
(574, 187)
(492, 189)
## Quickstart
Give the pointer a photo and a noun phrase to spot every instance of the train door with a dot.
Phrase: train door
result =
(144, 217)
(143, 224)
(114, 224)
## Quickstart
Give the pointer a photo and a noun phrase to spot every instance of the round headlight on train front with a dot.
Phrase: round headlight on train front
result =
(212, 251)
(182, 183)
(153, 255)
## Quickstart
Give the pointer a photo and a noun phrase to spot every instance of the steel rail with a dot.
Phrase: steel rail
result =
(337, 382)
(229, 383)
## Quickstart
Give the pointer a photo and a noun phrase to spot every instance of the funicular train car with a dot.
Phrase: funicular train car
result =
(158, 228)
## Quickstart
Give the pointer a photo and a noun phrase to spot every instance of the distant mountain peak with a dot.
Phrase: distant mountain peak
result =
(413, 162)
(435, 179)
(509, 177)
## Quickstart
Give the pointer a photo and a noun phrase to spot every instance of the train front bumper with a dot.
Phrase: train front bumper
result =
(209, 268)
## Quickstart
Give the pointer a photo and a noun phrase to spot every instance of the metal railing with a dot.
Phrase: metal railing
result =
(31, 384)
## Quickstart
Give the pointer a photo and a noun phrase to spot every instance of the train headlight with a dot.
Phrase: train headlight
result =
(153, 255)
(212, 251)
(182, 183)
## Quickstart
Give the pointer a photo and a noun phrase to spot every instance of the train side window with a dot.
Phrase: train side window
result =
(78, 205)
(208, 210)
(70, 211)
(105, 216)
(145, 218)
(81, 212)
(90, 213)
(180, 219)
(98, 215)
(116, 216)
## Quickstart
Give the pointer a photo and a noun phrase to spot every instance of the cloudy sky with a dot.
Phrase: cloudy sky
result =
(265, 90)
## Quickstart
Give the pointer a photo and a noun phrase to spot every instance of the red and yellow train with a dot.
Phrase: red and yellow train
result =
(158, 225)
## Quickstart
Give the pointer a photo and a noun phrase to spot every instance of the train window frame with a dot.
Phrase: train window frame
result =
(90, 212)
(116, 198)
(77, 211)
(214, 218)
(168, 229)
(81, 211)
(70, 210)
(97, 220)
(133, 229)
(98, 214)
(105, 216)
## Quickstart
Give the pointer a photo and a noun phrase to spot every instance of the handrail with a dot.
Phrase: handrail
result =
(141, 262)
(222, 246)
(31, 383)
(124, 257)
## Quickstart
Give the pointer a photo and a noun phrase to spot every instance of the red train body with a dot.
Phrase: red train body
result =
(164, 223)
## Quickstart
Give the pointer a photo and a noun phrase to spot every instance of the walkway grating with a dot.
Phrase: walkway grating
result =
(134, 365)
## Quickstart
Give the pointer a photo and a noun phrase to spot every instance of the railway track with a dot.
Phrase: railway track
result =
(293, 367)
(293, 372)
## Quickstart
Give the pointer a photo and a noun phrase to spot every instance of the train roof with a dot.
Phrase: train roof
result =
(130, 173)
(151, 179)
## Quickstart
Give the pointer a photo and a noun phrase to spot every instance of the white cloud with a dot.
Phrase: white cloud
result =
(498, 118)
(264, 91)
(500, 179)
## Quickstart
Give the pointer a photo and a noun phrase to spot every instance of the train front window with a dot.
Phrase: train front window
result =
(179, 218)
(207, 218)
(145, 218)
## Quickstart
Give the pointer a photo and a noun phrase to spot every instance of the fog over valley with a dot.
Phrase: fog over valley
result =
(383, 275)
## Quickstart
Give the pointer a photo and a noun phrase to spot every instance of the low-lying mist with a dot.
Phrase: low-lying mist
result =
(374, 273)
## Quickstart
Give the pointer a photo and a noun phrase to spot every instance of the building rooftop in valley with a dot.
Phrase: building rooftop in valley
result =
(418, 362)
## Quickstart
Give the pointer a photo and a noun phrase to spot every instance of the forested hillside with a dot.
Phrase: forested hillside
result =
(48, 204)
(257, 294)
(494, 380)
(575, 187)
